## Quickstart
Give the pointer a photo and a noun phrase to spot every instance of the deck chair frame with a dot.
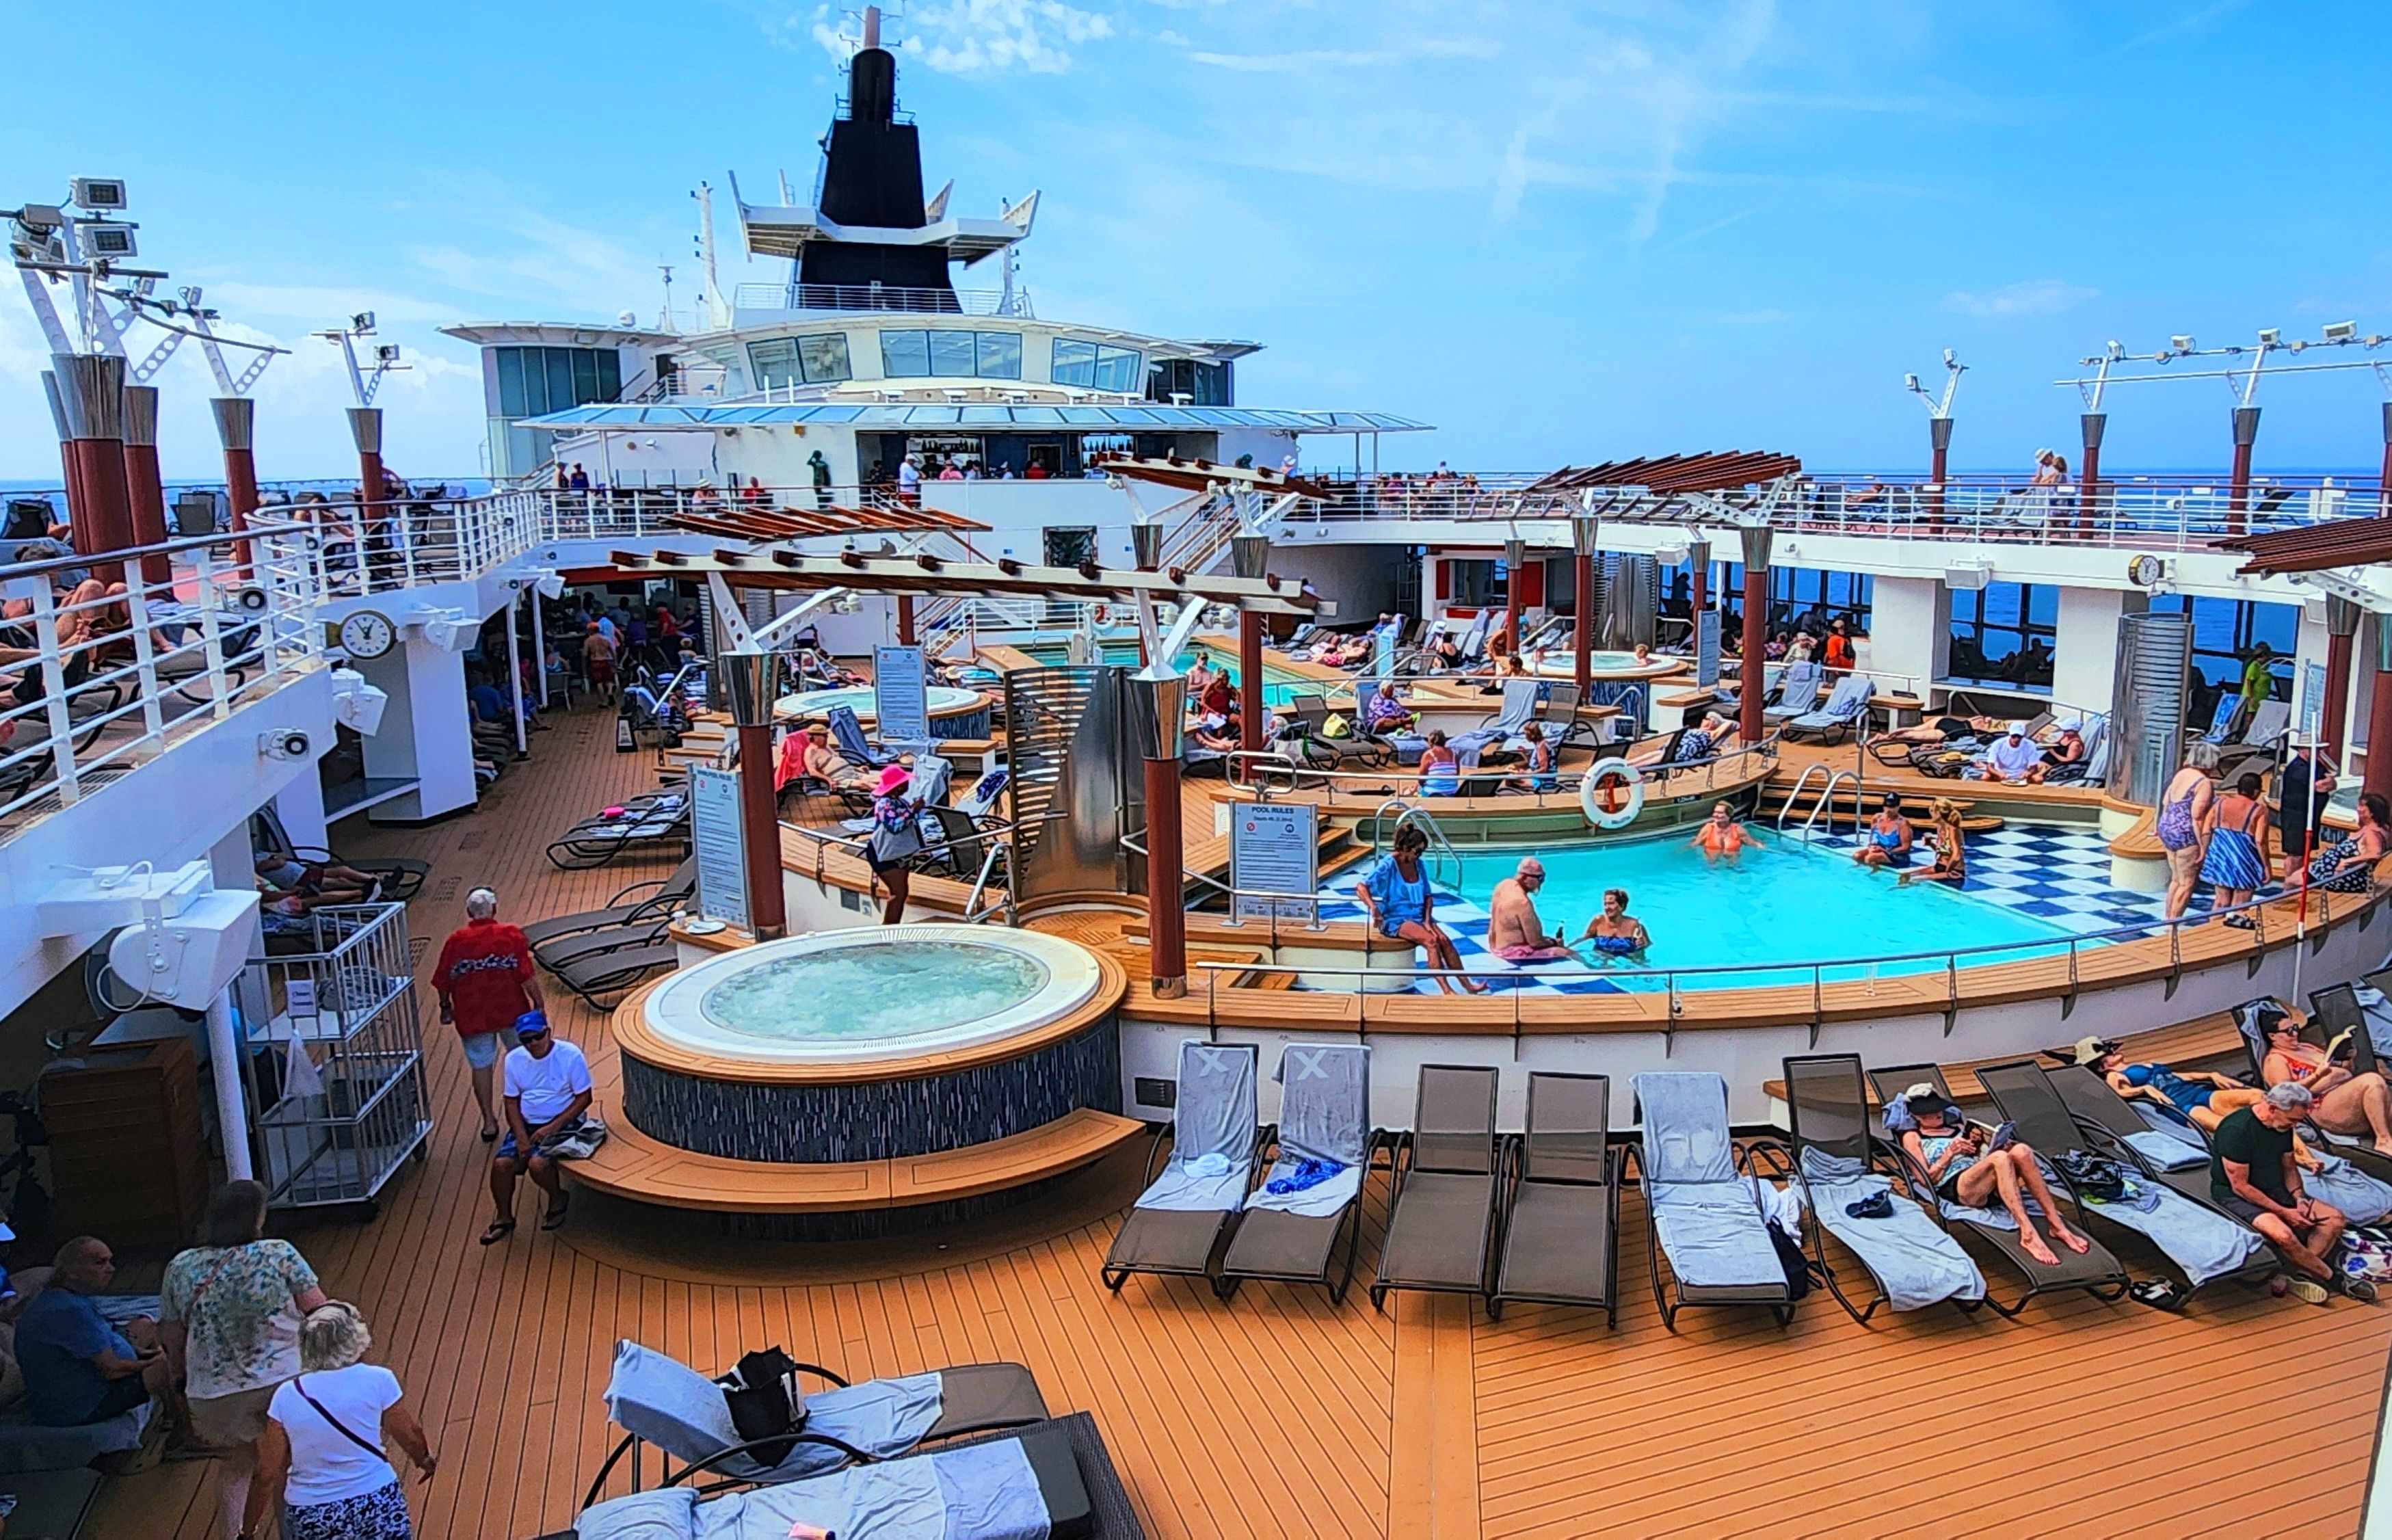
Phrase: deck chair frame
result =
(1516, 1169)
(1741, 1162)
(2351, 1148)
(1451, 1151)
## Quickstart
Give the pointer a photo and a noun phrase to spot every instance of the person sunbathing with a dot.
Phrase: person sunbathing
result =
(2359, 1106)
(1975, 1169)
(2199, 1097)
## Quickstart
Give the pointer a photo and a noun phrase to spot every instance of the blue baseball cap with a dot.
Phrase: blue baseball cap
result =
(531, 1024)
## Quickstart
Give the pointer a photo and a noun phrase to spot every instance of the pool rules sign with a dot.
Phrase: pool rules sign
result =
(719, 843)
(1275, 848)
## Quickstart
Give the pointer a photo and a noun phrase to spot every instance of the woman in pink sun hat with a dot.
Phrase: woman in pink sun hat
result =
(896, 837)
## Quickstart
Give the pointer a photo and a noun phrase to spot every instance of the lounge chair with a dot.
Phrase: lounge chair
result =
(1324, 1115)
(2202, 1241)
(2096, 1271)
(2249, 1019)
(1182, 1218)
(1702, 1207)
(636, 902)
(1052, 1478)
(1912, 1259)
(658, 1400)
(847, 736)
(2171, 1149)
(559, 953)
(1441, 1220)
(1831, 722)
(614, 973)
(596, 841)
(1559, 1212)
(1799, 688)
(402, 877)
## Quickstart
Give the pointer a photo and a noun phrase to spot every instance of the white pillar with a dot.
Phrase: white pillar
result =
(1910, 632)
(540, 646)
(514, 673)
(2085, 645)
(224, 1068)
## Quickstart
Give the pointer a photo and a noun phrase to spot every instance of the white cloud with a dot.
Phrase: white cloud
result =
(2036, 296)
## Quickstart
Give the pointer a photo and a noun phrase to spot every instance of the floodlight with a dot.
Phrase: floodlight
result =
(1949, 358)
(2373, 339)
(2269, 336)
(2117, 351)
(362, 322)
(99, 194)
(110, 241)
(2182, 344)
(386, 353)
(41, 216)
(2341, 330)
(1910, 382)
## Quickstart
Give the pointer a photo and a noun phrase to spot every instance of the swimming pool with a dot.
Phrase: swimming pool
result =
(1280, 688)
(1789, 903)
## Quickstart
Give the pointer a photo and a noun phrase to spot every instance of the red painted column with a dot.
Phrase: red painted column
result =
(91, 391)
(759, 812)
(2379, 729)
(2246, 432)
(1166, 917)
(1700, 597)
(1582, 623)
(905, 620)
(2342, 632)
(236, 426)
(144, 490)
(2384, 477)
(1516, 555)
(1249, 676)
(365, 428)
(1752, 673)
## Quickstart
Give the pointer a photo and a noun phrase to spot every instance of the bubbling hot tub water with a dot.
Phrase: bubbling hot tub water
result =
(846, 997)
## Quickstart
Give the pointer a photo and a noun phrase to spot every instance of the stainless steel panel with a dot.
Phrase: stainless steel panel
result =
(2152, 692)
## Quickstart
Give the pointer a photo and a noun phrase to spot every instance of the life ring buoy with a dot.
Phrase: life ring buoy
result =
(1102, 614)
(1601, 799)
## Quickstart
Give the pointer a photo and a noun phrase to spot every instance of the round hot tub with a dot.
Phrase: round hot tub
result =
(873, 1043)
(953, 713)
(856, 996)
(1563, 664)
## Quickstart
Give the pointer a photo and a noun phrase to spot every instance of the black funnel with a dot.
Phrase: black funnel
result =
(872, 86)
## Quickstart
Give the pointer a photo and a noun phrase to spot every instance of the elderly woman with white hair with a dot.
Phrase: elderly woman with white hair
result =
(323, 1459)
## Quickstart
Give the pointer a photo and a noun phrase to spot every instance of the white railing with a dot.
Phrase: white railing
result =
(315, 553)
(104, 665)
(877, 296)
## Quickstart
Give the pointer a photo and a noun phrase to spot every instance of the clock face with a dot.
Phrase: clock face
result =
(2144, 570)
(365, 633)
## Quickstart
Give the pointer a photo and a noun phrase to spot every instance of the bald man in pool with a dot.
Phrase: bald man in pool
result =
(1515, 931)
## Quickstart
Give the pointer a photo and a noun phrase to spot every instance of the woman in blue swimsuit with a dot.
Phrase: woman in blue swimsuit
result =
(1888, 841)
(1401, 903)
(2204, 1099)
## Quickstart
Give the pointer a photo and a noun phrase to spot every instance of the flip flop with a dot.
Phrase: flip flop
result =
(500, 1229)
(489, 1136)
(553, 1218)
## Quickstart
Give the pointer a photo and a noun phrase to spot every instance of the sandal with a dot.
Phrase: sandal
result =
(2158, 1293)
(489, 1136)
(553, 1217)
(500, 1229)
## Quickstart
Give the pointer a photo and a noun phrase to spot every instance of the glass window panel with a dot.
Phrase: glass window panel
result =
(987, 416)
(1074, 362)
(773, 363)
(825, 358)
(1000, 356)
(952, 354)
(1038, 416)
(905, 355)
(1212, 385)
(510, 383)
(1117, 368)
(610, 375)
(560, 377)
(585, 375)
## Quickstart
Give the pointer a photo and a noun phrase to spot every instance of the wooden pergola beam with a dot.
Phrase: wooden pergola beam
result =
(862, 574)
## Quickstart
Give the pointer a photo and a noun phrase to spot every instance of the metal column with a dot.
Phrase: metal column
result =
(2342, 634)
(752, 681)
(1249, 557)
(91, 392)
(236, 429)
(145, 494)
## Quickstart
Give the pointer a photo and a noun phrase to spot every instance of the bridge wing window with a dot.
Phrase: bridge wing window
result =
(1096, 367)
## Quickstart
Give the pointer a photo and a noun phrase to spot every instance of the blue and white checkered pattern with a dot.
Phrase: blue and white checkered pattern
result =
(2059, 874)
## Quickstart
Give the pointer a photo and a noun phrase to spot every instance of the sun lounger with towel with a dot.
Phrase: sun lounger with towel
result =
(2094, 1269)
(1702, 1213)
(1441, 1219)
(658, 1400)
(1560, 1213)
(1831, 721)
(847, 736)
(2204, 1242)
(1180, 1221)
(1313, 1189)
(2250, 1019)
(596, 841)
(1914, 1261)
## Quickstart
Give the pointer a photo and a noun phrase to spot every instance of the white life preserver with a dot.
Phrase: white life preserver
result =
(1596, 804)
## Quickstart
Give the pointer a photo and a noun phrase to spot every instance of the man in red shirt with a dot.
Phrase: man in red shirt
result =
(485, 979)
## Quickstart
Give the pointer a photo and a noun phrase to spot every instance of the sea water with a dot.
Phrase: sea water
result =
(1784, 904)
(857, 993)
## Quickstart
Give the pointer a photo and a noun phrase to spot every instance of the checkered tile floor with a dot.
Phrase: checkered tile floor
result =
(2059, 875)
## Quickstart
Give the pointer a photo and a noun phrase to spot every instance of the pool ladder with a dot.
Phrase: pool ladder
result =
(1440, 848)
(1827, 799)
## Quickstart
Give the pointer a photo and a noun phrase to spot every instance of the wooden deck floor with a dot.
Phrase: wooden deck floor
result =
(1277, 1414)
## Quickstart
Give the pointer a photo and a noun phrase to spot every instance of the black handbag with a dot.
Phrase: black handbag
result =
(765, 1403)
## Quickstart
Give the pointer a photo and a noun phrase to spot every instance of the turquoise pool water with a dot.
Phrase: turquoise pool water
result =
(874, 992)
(1786, 904)
(1279, 689)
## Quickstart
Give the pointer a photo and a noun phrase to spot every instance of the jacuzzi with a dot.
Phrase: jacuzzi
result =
(855, 996)
(872, 1044)
(953, 712)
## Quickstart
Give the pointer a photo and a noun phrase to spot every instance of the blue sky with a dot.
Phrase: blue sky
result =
(1560, 233)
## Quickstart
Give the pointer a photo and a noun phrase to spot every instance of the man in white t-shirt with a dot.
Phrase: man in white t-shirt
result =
(2015, 758)
(547, 1092)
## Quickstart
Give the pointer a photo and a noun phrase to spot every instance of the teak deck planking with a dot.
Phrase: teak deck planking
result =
(1279, 1413)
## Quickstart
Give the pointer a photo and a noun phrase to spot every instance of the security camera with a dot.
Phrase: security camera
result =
(283, 743)
(1950, 357)
(2269, 336)
(362, 322)
(2341, 330)
(1910, 382)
